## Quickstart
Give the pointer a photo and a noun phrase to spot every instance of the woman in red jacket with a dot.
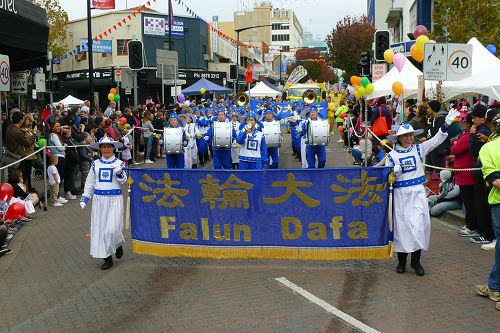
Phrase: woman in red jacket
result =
(465, 179)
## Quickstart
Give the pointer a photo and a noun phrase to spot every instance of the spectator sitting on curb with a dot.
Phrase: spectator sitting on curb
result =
(449, 195)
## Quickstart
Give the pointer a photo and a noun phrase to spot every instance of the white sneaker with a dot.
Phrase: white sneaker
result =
(57, 204)
(340, 140)
(149, 161)
(62, 200)
(490, 246)
(70, 196)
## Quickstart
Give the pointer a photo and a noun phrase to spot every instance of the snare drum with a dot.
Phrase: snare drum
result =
(223, 135)
(172, 140)
(318, 133)
(272, 133)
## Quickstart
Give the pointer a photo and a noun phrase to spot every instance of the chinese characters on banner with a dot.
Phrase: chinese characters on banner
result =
(103, 4)
(322, 214)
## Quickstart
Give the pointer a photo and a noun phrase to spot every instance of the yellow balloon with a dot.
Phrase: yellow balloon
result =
(369, 88)
(389, 55)
(421, 41)
(361, 91)
(202, 90)
(356, 94)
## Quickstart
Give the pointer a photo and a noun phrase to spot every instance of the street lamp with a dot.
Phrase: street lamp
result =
(238, 47)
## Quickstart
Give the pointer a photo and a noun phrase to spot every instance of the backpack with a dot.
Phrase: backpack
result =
(379, 127)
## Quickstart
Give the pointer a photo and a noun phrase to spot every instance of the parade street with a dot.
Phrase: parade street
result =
(51, 284)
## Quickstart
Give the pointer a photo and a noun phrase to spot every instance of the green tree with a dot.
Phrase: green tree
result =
(57, 18)
(314, 63)
(460, 20)
(350, 37)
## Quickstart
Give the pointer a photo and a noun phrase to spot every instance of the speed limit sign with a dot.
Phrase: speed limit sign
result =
(4, 73)
(459, 61)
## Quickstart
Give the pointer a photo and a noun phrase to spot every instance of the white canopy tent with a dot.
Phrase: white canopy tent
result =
(262, 90)
(70, 101)
(408, 77)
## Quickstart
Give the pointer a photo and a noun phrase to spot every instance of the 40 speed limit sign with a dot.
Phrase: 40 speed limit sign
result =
(447, 62)
(4, 73)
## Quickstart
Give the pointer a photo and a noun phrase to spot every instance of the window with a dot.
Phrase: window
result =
(122, 47)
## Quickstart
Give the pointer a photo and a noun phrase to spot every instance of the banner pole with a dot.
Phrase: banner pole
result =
(363, 100)
(45, 179)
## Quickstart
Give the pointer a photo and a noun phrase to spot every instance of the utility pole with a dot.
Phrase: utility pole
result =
(90, 54)
(50, 68)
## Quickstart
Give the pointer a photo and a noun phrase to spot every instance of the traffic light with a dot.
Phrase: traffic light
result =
(381, 44)
(233, 72)
(135, 58)
(365, 63)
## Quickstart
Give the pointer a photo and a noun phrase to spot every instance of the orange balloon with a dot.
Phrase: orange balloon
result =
(415, 54)
(113, 91)
(353, 78)
(340, 128)
(397, 88)
(357, 81)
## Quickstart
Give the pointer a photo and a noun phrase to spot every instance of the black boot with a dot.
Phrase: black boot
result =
(119, 252)
(415, 263)
(401, 262)
(108, 262)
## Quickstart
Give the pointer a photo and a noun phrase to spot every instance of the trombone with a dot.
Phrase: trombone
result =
(242, 99)
(309, 97)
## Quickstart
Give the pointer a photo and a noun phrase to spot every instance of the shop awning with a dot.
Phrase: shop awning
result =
(24, 33)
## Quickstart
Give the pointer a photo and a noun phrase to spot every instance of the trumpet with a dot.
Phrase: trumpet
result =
(242, 99)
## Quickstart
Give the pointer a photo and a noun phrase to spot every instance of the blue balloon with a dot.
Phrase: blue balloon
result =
(351, 96)
(492, 49)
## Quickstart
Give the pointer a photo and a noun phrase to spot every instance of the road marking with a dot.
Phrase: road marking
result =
(351, 321)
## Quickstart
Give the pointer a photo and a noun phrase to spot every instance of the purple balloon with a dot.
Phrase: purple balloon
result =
(399, 61)
(492, 49)
(181, 98)
(420, 30)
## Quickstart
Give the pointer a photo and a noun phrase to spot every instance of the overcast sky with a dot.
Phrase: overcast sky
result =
(316, 16)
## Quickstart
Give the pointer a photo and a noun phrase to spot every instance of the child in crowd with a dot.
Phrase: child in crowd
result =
(54, 181)
(449, 195)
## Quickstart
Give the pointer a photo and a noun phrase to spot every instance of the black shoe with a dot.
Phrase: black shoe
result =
(419, 270)
(119, 252)
(108, 263)
(401, 268)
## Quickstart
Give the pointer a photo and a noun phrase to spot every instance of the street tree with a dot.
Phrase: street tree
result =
(57, 19)
(350, 37)
(314, 63)
(459, 20)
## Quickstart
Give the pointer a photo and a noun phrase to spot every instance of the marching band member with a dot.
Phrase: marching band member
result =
(412, 226)
(235, 150)
(253, 153)
(103, 185)
(295, 130)
(222, 156)
(313, 153)
(272, 152)
(192, 132)
(176, 161)
(203, 126)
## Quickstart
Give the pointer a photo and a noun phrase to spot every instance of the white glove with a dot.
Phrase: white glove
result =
(397, 170)
(206, 138)
(451, 116)
(82, 204)
(118, 170)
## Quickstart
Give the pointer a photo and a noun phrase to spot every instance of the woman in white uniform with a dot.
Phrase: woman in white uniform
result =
(103, 185)
(411, 211)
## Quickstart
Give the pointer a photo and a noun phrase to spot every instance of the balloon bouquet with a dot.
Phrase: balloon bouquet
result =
(13, 211)
(113, 95)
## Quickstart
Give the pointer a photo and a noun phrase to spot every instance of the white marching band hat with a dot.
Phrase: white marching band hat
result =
(106, 140)
(404, 129)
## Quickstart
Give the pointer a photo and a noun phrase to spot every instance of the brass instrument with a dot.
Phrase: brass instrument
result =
(309, 96)
(242, 99)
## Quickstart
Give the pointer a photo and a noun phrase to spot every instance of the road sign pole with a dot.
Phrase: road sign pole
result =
(135, 89)
(162, 86)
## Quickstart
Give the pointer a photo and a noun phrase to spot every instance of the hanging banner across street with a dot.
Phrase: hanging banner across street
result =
(322, 214)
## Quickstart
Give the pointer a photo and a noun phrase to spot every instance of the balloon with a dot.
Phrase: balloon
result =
(117, 98)
(340, 128)
(389, 56)
(181, 98)
(15, 211)
(342, 116)
(187, 103)
(415, 54)
(6, 191)
(361, 91)
(353, 80)
(351, 96)
(202, 90)
(492, 49)
(351, 90)
(399, 61)
(357, 81)
(113, 91)
(41, 143)
(397, 88)
(432, 41)
(421, 41)
(365, 81)
(111, 97)
(369, 89)
(420, 30)
(356, 94)
(123, 121)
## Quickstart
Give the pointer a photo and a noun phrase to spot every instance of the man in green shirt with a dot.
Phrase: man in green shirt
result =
(490, 159)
